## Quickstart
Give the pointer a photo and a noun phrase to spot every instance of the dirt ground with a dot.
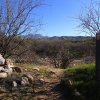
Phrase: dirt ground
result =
(46, 88)
(50, 89)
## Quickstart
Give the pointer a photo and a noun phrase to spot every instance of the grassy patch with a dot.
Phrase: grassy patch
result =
(83, 79)
(85, 72)
(30, 69)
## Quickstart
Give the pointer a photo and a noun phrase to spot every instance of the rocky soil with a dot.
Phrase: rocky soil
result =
(44, 86)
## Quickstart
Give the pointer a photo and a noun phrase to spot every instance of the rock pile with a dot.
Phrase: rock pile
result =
(5, 67)
(9, 78)
(25, 79)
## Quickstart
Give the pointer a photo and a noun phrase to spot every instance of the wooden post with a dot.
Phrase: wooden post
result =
(98, 61)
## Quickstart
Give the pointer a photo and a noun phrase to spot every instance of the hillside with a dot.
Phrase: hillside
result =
(39, 36)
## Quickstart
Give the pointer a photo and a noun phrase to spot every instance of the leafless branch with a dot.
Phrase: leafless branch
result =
(14, 21)
(90, 20)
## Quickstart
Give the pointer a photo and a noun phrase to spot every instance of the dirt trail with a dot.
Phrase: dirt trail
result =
(51, 89)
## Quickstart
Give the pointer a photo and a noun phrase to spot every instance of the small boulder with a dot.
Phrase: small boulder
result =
(1, 68)
(42, 80)
(25, 69)
(30, 77)
(2, 60)
(37, 69)
(8, 70)
(24, 81)
(18, 81)
(3, 75)
(17, 69)
(14, 83)
(9, 63)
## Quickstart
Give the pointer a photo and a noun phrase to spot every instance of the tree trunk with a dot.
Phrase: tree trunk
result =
(98, 61)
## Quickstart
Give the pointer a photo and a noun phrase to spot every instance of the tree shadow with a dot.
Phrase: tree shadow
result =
(64, 94)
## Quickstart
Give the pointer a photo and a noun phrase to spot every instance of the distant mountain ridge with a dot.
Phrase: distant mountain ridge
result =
(33, 36)
(39, 36)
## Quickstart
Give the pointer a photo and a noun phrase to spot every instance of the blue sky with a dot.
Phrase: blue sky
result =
(58, 17)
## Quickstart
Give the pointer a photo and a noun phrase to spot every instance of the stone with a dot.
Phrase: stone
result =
(42, 80)
(6, 67)
(9, 63)
(24, 81)
(1, 69)
(14, 84)
(25, 69)
(3, 75)
(37, 69)
(17, 69)
(30, 77)
(10, 83)
(2, 60)
(8, 70)
(18, 81)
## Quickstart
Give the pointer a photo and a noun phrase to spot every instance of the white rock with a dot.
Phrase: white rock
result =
(14, 84)
(42, 80)
(25, 69)
(30, 77)
(8, 70)
(9, 63)
(37, 69)
(2, 60)
(1, 68)
(24, 81)
(3, 75)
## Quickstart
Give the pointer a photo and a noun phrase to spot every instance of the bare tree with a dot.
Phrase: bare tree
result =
(90, 19)
(14, 22)
(90, 23)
